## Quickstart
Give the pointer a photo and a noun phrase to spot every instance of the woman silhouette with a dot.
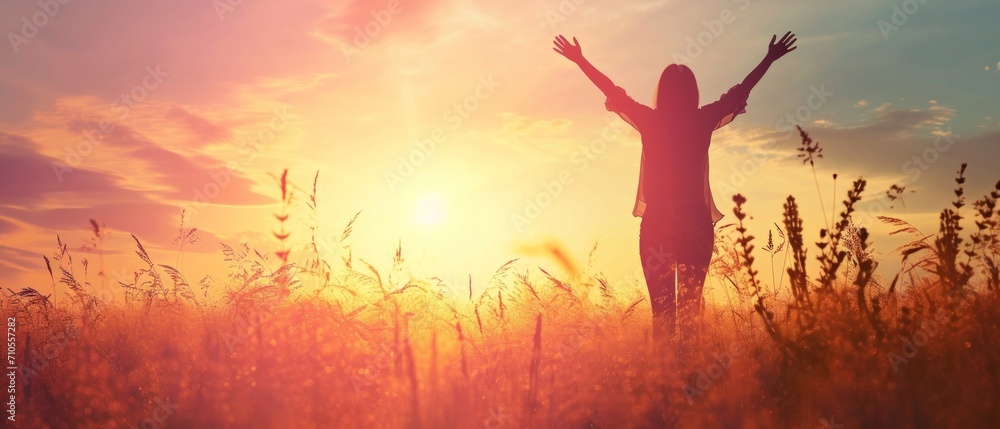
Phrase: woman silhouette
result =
(676, 234)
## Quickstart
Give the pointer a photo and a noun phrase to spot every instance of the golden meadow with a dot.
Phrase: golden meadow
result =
(335, 343)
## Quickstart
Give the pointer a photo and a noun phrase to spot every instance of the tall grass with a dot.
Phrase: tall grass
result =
(337, 344)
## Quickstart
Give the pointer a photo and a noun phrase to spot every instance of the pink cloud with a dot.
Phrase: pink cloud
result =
(202, 131)
(368, 21)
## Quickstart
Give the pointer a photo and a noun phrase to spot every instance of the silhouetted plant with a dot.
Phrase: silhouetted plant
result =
(798, 279)
(184, 237)
(746, 252)
(831, 255)
(809, 150)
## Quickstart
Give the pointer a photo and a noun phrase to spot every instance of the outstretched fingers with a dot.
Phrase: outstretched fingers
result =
(785, 38)
(789, 39)
(567, 49)
(790, 44)
(785, 44)
(561, 42)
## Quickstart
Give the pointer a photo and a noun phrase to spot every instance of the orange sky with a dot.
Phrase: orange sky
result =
(447, 122)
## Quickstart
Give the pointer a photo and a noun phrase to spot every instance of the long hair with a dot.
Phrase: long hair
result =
(677, 91)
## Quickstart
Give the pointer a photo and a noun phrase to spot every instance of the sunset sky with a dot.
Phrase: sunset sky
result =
(443, 120)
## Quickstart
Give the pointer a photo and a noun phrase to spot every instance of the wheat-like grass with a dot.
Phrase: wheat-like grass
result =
(330, 345)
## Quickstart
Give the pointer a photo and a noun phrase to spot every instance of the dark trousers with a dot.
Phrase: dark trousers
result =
(676, 248)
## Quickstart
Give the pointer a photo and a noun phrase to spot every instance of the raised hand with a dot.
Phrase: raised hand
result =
(784, 46)
(571, 51)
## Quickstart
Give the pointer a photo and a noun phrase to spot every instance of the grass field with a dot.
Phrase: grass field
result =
(338, 344)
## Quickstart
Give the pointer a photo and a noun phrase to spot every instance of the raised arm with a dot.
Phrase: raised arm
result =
(573, 53)
(734, 101)
(774, 52)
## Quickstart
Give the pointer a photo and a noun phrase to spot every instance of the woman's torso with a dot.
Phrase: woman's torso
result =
(675, 161)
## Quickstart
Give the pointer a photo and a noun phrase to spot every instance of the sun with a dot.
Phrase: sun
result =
(430, 211)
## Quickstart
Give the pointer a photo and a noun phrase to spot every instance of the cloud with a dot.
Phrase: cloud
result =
(368, 22)
(225, 77)
(14, 260)
(917, 147)
(27, 180)
(200, 129)
(144, 203)
(5, 227)
(103, 47)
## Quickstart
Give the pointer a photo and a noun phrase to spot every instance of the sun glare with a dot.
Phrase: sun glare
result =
(430, 211)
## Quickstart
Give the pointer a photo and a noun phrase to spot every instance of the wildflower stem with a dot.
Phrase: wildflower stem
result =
(820, 194)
